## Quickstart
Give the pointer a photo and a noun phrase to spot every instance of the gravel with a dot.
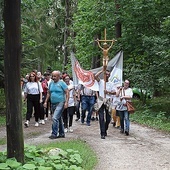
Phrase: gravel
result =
(143, 149)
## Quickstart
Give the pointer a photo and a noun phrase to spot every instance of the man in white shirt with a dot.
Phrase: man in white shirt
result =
(104, 116)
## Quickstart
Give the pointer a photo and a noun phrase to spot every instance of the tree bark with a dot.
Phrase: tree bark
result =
(12, 61)
(118, 30)
(96, 59)
(118, 26)
(66, 33)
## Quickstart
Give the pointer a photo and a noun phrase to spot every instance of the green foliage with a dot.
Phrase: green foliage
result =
(2, 119)
(3, 140)
(146, 43)
(154, 114)
(145, 38)
(40, 159)
(90, 20)
(42, 29)
(1, 44)
(2, 100)
(2, 107)
(86, 153)
(160, 105)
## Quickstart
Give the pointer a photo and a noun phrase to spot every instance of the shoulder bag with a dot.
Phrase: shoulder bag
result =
(130, 107)
(129, 104)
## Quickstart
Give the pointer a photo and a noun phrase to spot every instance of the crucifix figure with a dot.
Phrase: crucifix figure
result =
(105, 49)
(106, 88)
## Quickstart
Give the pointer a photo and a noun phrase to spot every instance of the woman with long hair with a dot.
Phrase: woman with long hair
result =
(33, 95)
(70, 110)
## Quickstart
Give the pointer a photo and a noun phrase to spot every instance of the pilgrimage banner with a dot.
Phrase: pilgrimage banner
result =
(81, 76)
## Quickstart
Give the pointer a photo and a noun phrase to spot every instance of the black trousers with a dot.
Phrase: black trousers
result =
(104, 119)
(68, 116)
(33, 101)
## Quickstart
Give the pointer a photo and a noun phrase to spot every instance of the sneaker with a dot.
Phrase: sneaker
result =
(46, 119)
(102, 137)
(40, 121)
(26, 123)
(92, 118)
(76, 119)
(65, 130)
(61, 136)
(70, 129)
(36, 124)
(53, 137)
(88, 124)
(43, 122)
(127, 133)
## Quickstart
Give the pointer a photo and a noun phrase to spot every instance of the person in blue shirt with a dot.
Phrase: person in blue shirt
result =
(59, 96)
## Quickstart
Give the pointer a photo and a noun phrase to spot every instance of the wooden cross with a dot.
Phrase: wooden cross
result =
(105, 50)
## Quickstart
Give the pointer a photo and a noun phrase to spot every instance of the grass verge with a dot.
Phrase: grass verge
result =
(154, 114)
(3, 141)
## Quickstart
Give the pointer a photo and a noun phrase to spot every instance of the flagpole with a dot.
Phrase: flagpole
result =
(105, 48)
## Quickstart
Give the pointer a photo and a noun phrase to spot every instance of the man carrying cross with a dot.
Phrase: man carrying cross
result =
(106, 89)
(104, 96)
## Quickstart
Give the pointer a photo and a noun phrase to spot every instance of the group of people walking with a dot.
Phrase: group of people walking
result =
(57, 94)
(115, 98)
(35, 91)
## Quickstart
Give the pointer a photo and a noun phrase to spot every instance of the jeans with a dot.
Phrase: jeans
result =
(87, 103)
(57, 125)
(104, 119)
(124, 119)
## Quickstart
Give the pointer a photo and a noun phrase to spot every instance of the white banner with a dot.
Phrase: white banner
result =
(86, 78)
(117, 71)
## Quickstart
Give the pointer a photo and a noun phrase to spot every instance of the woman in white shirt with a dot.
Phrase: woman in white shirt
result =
(70, 111)
(33, 95)
(124, 93)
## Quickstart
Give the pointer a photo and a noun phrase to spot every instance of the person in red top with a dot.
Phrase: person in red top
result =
(44, 86)
(44, 111)
(47, 77)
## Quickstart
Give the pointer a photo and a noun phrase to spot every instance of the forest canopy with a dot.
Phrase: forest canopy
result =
(52, 29)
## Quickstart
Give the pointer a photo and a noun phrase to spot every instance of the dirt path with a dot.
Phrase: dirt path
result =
(144, 149)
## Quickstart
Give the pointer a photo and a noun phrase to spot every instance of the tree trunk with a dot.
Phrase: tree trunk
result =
(96, 59)
(118, 26)
(66, 33)
(118, 30)
(12, 61)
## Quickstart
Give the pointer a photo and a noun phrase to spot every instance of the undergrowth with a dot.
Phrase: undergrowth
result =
(47, 157)
(154, 114)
